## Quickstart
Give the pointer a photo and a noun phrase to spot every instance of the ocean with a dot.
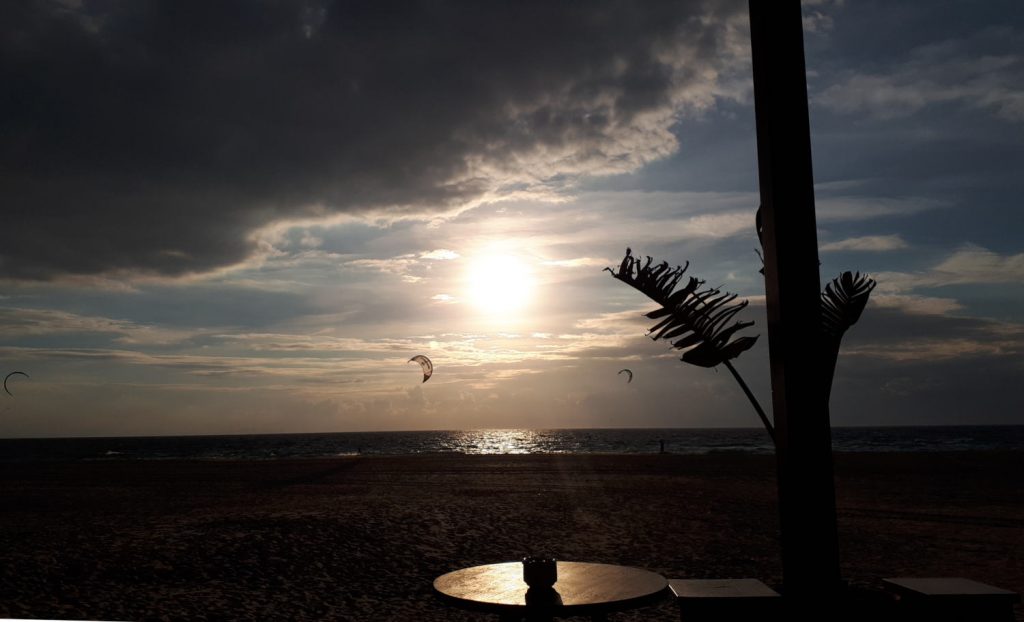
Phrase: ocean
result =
(573, 441)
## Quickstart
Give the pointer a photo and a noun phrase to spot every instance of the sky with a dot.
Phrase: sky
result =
(246, 217)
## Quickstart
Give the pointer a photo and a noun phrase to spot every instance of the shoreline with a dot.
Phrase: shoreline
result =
(631, 441)
(362, 537)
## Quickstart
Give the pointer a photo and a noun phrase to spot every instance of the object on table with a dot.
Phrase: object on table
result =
(540, 572)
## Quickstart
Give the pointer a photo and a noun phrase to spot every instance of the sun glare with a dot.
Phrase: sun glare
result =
(499, 284)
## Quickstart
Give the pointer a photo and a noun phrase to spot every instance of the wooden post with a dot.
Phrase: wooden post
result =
(810, 558)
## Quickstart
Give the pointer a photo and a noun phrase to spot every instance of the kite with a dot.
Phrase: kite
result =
(425, 364)
(8, 376)
(629, 375)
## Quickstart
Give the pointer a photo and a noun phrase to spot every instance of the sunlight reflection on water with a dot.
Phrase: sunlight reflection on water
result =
(496, 442)
(546, 441)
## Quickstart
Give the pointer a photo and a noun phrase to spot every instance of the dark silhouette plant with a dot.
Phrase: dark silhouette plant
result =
(842, 302)
(700, 321)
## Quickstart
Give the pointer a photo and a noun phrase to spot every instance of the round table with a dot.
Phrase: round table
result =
(582, 589)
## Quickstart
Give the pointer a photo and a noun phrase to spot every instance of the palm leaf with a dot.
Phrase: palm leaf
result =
(697, 320)
(692, 319)
(843, 301)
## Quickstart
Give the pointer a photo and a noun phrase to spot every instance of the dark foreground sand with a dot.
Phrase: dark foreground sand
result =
(362, 538)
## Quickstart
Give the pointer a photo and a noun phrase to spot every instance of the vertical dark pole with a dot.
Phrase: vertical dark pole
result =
(807, 512)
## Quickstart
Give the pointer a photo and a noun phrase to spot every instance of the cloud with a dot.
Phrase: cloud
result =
(935, 349)
(974, 264)
(620, 323)
(578, 262)
(916, 305)
(440, 254)
(392, 265)
(595, 218)
(21, 323)
(896, 330)
(969, 265)
(156, 138)
(287, 342)
(874, 243)
(951, 72)
(454, 351)
(716, 225)
(818, 21)
(845, 208)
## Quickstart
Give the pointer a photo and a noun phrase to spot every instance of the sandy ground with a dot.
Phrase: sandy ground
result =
(362, 538)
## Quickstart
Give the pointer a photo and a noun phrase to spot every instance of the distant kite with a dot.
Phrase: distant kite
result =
(13, 373)
(425, 364)
(629, 375)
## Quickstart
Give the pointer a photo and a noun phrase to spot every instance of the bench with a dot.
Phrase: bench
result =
(951, 599)
(725, 599)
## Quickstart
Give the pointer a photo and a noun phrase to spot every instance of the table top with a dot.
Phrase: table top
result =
(581, 588)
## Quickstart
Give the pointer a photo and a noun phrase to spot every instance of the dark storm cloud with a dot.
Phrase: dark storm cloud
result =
(157, 136)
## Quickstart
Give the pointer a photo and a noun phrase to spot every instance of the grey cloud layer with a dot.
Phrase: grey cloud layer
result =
(156, 136)
(954, 71)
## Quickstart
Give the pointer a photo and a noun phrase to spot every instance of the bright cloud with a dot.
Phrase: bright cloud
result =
(874, 243)
(441, 254)
(973, 264)
(578, 262)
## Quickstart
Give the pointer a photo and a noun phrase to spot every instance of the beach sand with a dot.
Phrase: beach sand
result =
(362, 538)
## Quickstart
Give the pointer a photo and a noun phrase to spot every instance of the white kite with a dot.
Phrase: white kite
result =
(425, 364)
(629, 375)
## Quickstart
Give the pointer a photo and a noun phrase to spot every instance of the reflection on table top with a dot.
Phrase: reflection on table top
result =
(581, 587)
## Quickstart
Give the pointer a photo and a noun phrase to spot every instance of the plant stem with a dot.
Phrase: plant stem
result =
(753, 400)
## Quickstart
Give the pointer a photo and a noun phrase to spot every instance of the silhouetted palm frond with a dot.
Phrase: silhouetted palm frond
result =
(697, 320)
(842, 302)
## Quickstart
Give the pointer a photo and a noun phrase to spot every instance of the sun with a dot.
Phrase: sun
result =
(499, 284)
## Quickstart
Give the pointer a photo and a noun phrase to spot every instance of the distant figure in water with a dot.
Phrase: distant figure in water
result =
(662, 441)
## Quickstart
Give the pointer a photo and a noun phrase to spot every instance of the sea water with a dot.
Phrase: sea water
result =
(573, 441)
